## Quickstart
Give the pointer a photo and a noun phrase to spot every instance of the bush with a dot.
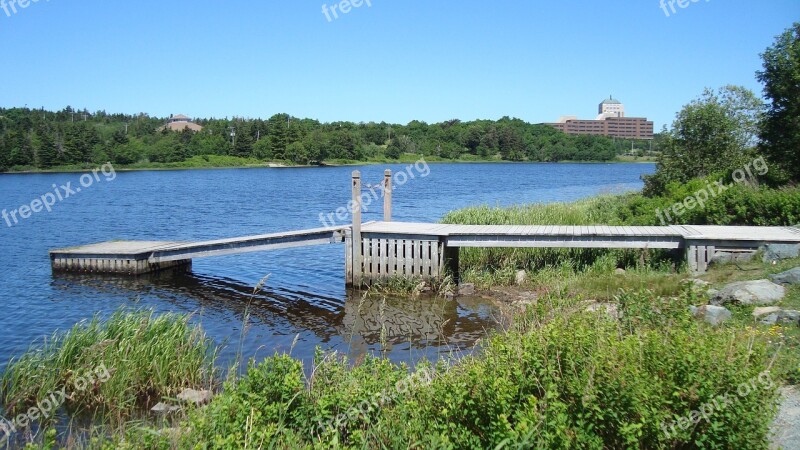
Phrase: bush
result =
(560, 380)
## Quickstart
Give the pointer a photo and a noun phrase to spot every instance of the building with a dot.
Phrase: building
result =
(611, 122)
(180, 122)
(610, 108)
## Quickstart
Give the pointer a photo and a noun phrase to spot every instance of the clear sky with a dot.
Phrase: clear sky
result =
(386, 60)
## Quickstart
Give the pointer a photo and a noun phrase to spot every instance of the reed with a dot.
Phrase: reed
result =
(130, 360)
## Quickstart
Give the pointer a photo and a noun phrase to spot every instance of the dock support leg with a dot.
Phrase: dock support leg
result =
(699, 256)
(451, 263)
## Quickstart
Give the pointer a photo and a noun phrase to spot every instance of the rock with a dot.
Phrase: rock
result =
(785, 429)
(758, 312)
(466, 289)
(619, 272)
(777, 252)
(721, 258)
(200, 397)
(713, 315)
(449, 295)
(789, 277)
(789, 316)
(771, 319)
(164, 408)
(758, 292)
(698, 283)
(521, 277)
(609, 309)
(711, 292)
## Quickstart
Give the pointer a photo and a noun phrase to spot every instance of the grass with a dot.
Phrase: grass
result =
(131, 360)
(560, 378)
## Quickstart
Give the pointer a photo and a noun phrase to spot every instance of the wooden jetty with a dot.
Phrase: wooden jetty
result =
(140, 257)
(381, 250)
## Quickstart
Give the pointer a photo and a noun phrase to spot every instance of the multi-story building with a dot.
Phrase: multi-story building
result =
(610, 108)
(611, 122)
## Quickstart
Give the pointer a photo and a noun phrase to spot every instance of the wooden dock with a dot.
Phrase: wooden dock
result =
(380, 250)
(426, 250)
(139, 257)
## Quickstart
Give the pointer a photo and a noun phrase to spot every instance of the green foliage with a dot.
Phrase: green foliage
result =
(714, 133)
(559, 379)
(146, 357)
(43, 139)
(780, 130)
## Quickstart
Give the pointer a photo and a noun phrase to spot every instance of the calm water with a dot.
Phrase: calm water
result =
(304, 299)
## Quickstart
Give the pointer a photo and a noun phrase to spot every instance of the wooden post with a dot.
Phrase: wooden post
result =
(387, 195)
(358, 256)
(451, 261)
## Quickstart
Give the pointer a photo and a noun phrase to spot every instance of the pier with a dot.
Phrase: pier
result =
(387, 249)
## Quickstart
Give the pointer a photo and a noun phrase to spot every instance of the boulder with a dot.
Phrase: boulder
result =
(789, 316)
(770, 319)
(758, 292)
(610, 309)
(200, 397)
(619, 272)
(521, 277)
(164, 408)
(789, 277)
(713, 315)
(721, 258)
(758, 312)
(466, 289)
(777, 252)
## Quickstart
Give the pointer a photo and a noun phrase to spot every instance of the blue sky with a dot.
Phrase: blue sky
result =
(391, 60)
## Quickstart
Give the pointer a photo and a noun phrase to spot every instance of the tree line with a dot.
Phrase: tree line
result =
(31, 138)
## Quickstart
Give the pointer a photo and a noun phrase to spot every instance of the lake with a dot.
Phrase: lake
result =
(304, 303)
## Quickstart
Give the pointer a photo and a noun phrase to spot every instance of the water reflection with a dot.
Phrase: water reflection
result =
(401, 328)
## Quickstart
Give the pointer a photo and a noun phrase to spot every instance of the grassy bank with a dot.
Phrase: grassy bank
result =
(561, 377)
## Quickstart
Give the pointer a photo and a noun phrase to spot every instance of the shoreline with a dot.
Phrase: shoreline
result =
(273, 165)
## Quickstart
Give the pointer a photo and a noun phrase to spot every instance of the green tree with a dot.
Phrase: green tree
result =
(711, 134)
(780, 130)
(47, 153)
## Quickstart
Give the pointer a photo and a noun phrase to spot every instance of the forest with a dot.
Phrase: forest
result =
(37, 139)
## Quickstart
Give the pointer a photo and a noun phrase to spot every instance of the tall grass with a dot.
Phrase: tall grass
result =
(133, 359)
(499, 265)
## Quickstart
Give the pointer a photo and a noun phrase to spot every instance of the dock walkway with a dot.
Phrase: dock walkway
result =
(379, 250)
